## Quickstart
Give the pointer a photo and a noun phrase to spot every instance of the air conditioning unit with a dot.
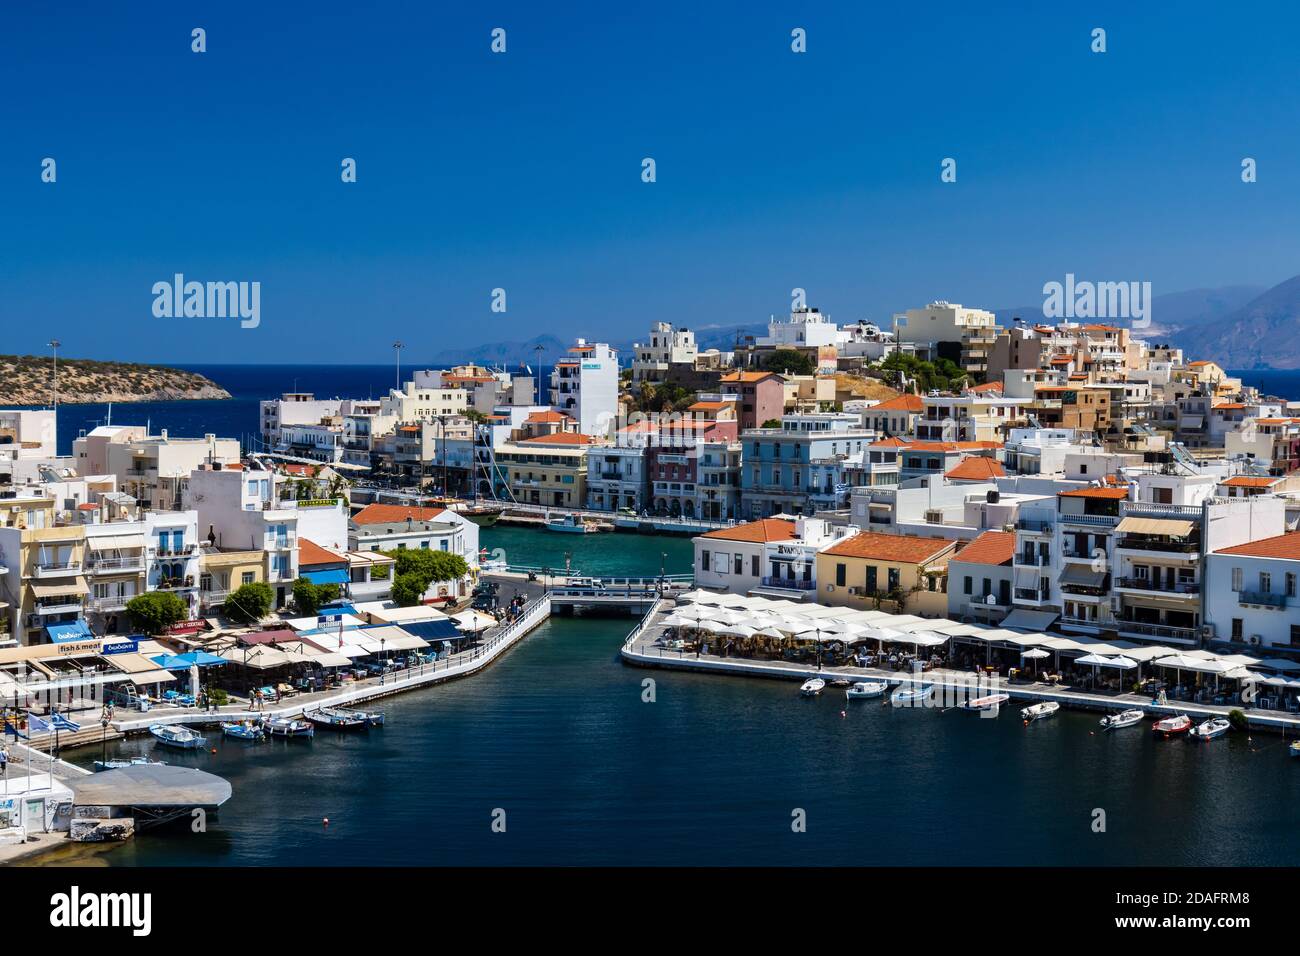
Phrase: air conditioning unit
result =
(1207, 632)
(1114, 603)
(831, 587)
(1256, 639)
(853, 590)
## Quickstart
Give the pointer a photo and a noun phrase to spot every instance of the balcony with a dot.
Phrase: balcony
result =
(1162, 631)
(1130, 543)
(176, 584)
(172, 551)
(1261, 599)
(1158, 587)
(116, 565)
(285, 542)
(64, 605)
(1034, 595)
(789, 584)
(56, 569)
(1035, 525)
(1033, 560)
(1091, 521)
(113, 603)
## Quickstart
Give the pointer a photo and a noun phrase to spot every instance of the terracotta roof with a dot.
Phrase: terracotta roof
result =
(902, 548)
(1101, 328)
(1246, 481)
(559, 438)
(953, 445)
(765, 529)
(310, 553)
(1202, 362)
(1283, 546)
(1232, 406)
(1113, 494)
(992, 547)
(548, 416)
(711, 406)
(900, 403)
(889, 443)
(988, 387)
(748, 376)
(88, 506)
(391, 514)
(977, 468)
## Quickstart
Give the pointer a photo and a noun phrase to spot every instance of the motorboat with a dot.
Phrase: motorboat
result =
(570, 524)
(1209, 729)
(863, 689)
(1125, 718)
(178, 738)
(911, 694)
(335, 718)
(987, 702)
(133, 762)
(1178, 724)
(1294, 748)
(812, 687)
(1046, 708)
(290, 727)
(245, 730)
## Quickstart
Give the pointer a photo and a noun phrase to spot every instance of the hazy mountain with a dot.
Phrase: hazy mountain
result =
(1172, 313)
(506, 353)
(1262, 333)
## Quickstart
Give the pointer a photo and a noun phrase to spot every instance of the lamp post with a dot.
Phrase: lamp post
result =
(103, 738)
(397, 347)
(54, 344)
(383, 662)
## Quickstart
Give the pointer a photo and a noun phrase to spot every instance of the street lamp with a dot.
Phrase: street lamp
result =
(383, 662)
(397, 347)
(103, 738)
(54, 344)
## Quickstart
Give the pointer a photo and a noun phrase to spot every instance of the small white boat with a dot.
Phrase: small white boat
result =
(1047, 708)
(866, 688)
(1209, 729)
(911, 694)
(987, 702)
(1170, 726)
(180, 738)
(569, 523)
(1125, 718)
(812, 687)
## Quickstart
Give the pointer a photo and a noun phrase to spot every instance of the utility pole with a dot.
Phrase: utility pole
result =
(54, 344)
(539, 349)
(397, 347)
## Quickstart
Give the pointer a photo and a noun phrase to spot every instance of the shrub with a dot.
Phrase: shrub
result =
(408, 589)
(250, 602)
(155, 611)
(1237, 718)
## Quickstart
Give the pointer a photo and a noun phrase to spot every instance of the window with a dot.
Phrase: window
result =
(704, 560)
(753, 566)
(872, 584)
(1236, 628)
(967, 585)
(740, 564)
(1295, 635)
(841, 574)
(894, 578)
(1290, 584)
(1265, 582)
(1236, 579)
(247, 577)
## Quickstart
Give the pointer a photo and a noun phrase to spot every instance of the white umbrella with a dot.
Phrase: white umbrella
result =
(712, 627)
(677, 619)
(738, 630)
(770, 632)
(1036, 654)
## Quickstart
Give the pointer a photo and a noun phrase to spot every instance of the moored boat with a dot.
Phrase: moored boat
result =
(133, 762)
(866, 688)
(245, 730)
(570, 524)
(1046, 708)
(1294, 749)
(1209, 729)
(812, 687)
(1169, 726)
(1125, 718)
(911, 694)
(290, 727)
(335, 718)
(178, 738)
(987, 702)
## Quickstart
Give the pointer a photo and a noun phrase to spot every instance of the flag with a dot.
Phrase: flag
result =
(58, 720)
(35, 725)
(11, 728)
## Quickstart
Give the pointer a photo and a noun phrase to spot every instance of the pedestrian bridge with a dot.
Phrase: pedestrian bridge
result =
(632, 593)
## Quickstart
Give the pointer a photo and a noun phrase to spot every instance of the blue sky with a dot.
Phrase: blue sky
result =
(522, 170)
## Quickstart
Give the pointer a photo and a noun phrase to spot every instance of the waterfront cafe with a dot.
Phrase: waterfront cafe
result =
(74, 674)
(737, 625)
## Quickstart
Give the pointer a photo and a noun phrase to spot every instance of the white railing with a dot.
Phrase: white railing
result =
(640, 627)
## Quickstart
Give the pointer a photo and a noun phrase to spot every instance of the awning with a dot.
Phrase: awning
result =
(1026, 578)
(77, 630)
(393, 638)
(116, 542)
(150, 677)
(337, 610)
(1184, 663)
(260, 657)
(131, 663)
(74, 586)
(183, 662)
(314, 655)
(439, 630)
(1028, 620)
(332, 576)
(1082, 574)
(1155, 526)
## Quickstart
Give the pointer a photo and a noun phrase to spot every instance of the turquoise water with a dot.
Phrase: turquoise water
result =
(611, 553)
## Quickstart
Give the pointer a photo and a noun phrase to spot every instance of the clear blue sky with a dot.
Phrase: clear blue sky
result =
(522, 170)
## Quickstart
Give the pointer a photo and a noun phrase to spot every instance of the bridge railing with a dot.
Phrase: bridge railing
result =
(640, 626)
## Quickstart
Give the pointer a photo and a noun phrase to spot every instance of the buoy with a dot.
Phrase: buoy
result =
(325, 822)
(214, 749)
(843, 714)
(1025, 722)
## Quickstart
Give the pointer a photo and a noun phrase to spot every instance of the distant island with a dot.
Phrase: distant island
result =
(29, 380)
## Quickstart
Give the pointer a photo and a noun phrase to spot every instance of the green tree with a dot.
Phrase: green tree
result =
(250, 602)
(429, 565)
(790, 360)
(155, 611)
(308, 596)
(408, 589)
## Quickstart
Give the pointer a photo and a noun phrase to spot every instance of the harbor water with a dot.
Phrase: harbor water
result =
(558, 735)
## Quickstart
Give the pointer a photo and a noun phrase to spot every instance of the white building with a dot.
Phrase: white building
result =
(584, 386)
(653, 360)
(294, 408)
(1251, 593)
(732, 559)
(949, 330)
(153, 469)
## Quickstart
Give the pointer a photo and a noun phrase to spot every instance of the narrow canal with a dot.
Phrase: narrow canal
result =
(558, 736)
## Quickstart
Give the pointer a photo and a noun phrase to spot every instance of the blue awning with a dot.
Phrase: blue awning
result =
(336, 610)
(183, 662)
(332, 576)
(441, 629)
(77, 630)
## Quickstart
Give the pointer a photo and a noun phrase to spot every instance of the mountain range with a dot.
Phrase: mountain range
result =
(1238, 326)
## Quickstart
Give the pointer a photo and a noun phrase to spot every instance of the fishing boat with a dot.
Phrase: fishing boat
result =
(246, 730)
(133, 762)
(812, 687)
(290, 727)
(179, 738)
(1169, 726)
(1294, 748)
(1209, 729)
(987, 702)
(866, 688)
(335, 718)
(1047, 708)
(570, 524)
(911, 694)
(1125, 718)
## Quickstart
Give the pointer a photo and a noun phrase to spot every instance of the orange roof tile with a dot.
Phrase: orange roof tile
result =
(889, 443)
(748, 376)
(711, 406)
(310, 553)
(947, 446)
(1113, 494)
(992, 547)
(988, 387)
(548, 416)
(1232, 406)
(1247, 481)
(900, 403)
(901, 548)
(757, 532)
(559, 438)
(977, 468)
(391, 514)
(1283, 546)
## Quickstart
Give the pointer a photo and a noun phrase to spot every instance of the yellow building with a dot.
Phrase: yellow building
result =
(546, 470)
(45, 584)
(895, 572)
(221, 572)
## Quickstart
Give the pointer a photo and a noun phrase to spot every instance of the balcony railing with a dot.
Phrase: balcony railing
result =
(1035, 525)
(172, 551)
(1150, 584)
(1127, 626)
(1033, 594)
(54, 569)
(790, 584)
(1101, 521)
(1131, 543)
(128, 563)
(1033, 560)
(1261, 598)
(113, 603)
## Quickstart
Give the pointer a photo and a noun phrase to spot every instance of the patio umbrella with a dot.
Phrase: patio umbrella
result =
(1036, 654)
(737, 630)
